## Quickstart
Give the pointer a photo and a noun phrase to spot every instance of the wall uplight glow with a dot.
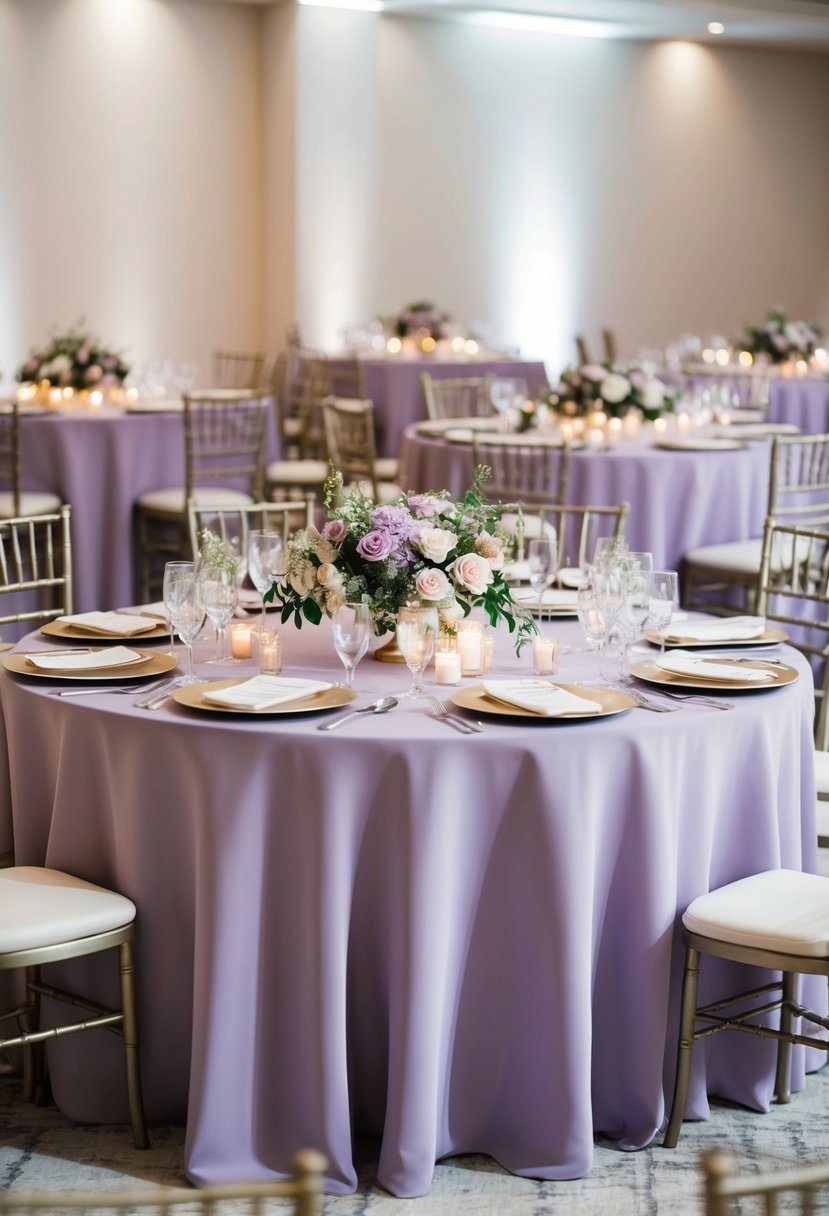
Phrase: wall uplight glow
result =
(360, 6)
(531, 23)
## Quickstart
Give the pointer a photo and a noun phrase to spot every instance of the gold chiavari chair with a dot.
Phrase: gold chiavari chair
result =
(240, 369)
(466, 397)
(523, 471)
(300, 384)
(611, 346)
(224, 449)
(576, 528)
(233, 523)
(47, 916)
(800, 1190)
(777, 920)
(349, 427)
(304, 1187)
(798, 493)
(13, 500)
(347, 378)
(36, 556)
(583, 350)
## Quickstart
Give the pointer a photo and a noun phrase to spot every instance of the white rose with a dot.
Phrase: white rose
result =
(653, 393)
(614, 388)
(60, 364)
(435, 543)
(472, 572)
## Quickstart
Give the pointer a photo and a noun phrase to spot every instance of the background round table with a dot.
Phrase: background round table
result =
(802, 402)
(452, 943)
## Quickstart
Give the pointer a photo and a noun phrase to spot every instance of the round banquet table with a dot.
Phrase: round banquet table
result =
(803, 402)
(393, 384)
(679, 500)
(100, 462)
(452, 943)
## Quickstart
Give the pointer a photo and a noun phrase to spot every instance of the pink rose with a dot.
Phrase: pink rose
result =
(432, 584)
(472, 572)
(335, 530)
(93, 374)
(83, 354)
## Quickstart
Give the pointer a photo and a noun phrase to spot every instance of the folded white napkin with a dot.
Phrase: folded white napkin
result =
(553, 597)
(88, 660)
(263, 692)
(458, 435)
(438, 426)
(539, 697)
(112, 624)
(683, 663)
(732, 629)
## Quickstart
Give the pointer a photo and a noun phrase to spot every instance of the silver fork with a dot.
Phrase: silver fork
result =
(695, 698)
(88, 692)
(461, 724)
(644, 702)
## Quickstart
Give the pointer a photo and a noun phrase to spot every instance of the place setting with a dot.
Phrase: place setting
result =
(682, 669)
(104, 627)
(105, 663)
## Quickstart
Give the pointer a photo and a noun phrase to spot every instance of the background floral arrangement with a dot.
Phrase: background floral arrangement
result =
(77, 360)
(781, 339)
(612, 389)
(418, 316)
(422, 548)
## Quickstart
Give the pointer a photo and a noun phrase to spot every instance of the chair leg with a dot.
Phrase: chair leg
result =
(126, 972)
(685, 1046)
(782, 1081)
(28, 1021)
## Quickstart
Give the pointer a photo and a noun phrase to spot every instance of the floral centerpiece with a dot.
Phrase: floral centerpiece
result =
(420, 549)
(612, 389)
(421, 315)
(77, 361)
(781, 340)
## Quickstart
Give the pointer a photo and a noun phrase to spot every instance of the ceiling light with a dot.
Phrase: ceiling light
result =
(716, 27)
(532, 23)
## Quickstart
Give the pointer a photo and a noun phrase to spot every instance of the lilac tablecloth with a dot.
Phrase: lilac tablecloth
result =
(100, 463)
(394, 386)
(803, 402)
(452, 943)
(679, 500)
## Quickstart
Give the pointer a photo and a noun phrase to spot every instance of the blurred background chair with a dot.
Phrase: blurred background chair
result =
(224, 454)
(582, 350)
(233, 523)
(13, 500)
(304, 1187)
(724, 579)
(36, 558)
(300, 384)
(466, 397)
(240, 369)
(802, 1190)
(47, 916)
(610, 346)
(349, 428)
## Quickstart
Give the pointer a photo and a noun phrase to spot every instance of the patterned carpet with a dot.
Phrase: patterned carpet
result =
(40, 1150)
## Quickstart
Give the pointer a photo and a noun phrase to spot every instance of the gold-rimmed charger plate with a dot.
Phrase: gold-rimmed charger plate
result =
(770, 637)
(610, 700)
(192, 695)
(152, 665)
(700, 445)
(546, 610)
(77, 633)
(783, 674)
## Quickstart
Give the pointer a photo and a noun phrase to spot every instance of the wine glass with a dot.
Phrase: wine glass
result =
(217, 588)
(636, 572)
(542, 560)
(506, 394)
(596, 624)
(266, 562)
(187, 613)
(351, 625)
(664, 599)
(416, 633)
(171, 572)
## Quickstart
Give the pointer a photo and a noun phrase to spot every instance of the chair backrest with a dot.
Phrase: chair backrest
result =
(239, 369)
(249, 1199)
(233, 523)
(524, 472)
(577, 528)
(224, 439)
(800, 1189)
(10, 454)
(36, 555)
(467, 397)
(301, 381)
(611, 347)
(346, 377)
(799, 480)
(349, 431)
(794, 593)
(583, 352)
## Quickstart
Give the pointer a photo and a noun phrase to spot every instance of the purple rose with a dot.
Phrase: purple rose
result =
(425, 506)
(375, 546)
(335, 530)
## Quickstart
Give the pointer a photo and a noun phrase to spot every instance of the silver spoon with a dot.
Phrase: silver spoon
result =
(375, 707)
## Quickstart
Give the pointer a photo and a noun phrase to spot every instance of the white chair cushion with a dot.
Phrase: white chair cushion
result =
(31, 503)
(780, 910)
(296, 472)
(822, 774)
(743, 556)
(40, 907)
(386, 468)
(172, 502)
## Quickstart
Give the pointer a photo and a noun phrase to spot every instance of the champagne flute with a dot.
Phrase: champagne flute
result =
(351, 624)
(595, 623)
(416, 634)
(171, 572)
(542, 559)
(265, 563)
(663, 601)
(637, 569)
(218, 592)
(187, 614)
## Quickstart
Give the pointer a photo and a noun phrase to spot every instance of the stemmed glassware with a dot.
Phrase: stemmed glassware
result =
(218, 591)
(171, 572)
(637, 569)
(351, 624)
(542, 560)
(266, 562)
(416, 634)
(664, 600)
(184, 603)
(596, 623)
(507, 394)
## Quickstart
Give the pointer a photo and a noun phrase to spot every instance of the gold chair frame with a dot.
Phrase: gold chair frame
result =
(10, 453)
(36, 555)
(284, 517)
(240, 369)
(574, 527)
(463, 397)
(305, 1187)
(349, 429)
(725, 1187)
(531, 472)
(301, 381)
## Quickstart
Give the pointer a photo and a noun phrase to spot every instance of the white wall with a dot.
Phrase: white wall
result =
(130, 175)
(552, 185)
